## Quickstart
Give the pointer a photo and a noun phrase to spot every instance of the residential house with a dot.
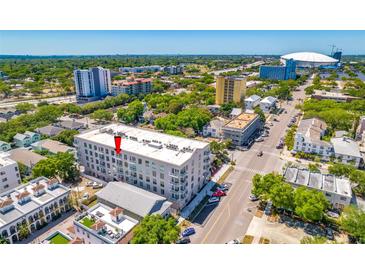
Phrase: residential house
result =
(308, 138)
(26, 139)
(4, 146)
(252, 101)
(235, 112)
(71, 124)
(347, 151)
(214, 128)
(52, 146)
(268, 104)
(26, 157)
(49, 130)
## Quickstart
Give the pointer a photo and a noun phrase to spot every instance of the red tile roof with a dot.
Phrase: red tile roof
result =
(116, 211)
(6, 202)
(98, 225)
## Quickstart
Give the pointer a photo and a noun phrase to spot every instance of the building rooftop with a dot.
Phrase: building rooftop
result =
(236, 112)
(162, 147)
(133, 199)
(269, 100)
(52, 146)
(318, 181)
(346, 146)
(49, 130)
(312, 129)
(22, 207)
(25, 156)
(241, 121)
(5, 160)
(253, 98)
(100, 219)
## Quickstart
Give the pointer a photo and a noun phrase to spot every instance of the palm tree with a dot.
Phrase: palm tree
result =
(3, 241)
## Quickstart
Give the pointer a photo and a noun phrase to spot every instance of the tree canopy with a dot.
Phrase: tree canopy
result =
(154, 229)
(352, 220)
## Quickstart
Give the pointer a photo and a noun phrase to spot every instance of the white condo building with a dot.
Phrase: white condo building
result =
(93, 83)
(9, 173)
(173, 167)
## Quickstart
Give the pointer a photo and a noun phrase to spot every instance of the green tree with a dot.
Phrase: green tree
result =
(24, 107)
(310, 204)
(262, 185)
(132, 112)
(313, 240)
(66, 136)
(154, 229)
(3, 241)
(282, 196)
(260, 113)
(23, 231)
(62, 164)
(352, 220)
(102, 115)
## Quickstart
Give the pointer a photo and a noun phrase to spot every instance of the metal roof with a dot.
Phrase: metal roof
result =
(311, 57)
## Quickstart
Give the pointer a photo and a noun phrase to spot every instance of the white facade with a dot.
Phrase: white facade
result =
(110, 226)
(308, 138)
(9, 173)
(173, 167)
(252, 102)
(337, 190)
(268, 103)
(94, 82)
(214, 128)
(346, 151)
(34, 204)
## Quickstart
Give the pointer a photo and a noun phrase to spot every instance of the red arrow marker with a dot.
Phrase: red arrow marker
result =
(117, 141)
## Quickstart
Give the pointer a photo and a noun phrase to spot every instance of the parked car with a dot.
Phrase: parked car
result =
(183, 240)
(219, 193)
(268, 208)
(85, 196)
(333, 214)
(253, 198)
(260, 153)
(329, 234)
(189, 231)
(259, 139)
(90, 184)
(223, 187)
(280, 145)
(235, 241)
(213, 200)
(97, 185)
(242, 148)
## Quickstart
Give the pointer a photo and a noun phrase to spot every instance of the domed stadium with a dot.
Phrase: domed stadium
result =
(310, 59)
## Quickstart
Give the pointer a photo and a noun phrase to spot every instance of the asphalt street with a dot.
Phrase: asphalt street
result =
(231, 218)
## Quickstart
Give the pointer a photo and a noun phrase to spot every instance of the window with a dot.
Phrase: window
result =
(155, 189)
(162, 176)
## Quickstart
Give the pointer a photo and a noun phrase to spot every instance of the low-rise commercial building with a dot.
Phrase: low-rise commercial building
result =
(9, 173)
(102, 224)
(337, 190)
(135, 86)
(268, 104)
(136, 202)
(33, 205)
(174, 167)
(335, 96)
(242, 129)
(252, 102)
(140, 69)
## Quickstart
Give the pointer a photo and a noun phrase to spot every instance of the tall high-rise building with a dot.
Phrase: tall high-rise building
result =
(230, 89)
(92, 84)
(279, 72)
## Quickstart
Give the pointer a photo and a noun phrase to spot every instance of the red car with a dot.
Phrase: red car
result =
(219, 193)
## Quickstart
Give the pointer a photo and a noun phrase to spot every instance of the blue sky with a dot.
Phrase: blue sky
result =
(178, 42)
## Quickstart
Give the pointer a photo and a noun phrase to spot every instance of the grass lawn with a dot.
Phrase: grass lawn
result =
(87, 222)
(59, 239)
